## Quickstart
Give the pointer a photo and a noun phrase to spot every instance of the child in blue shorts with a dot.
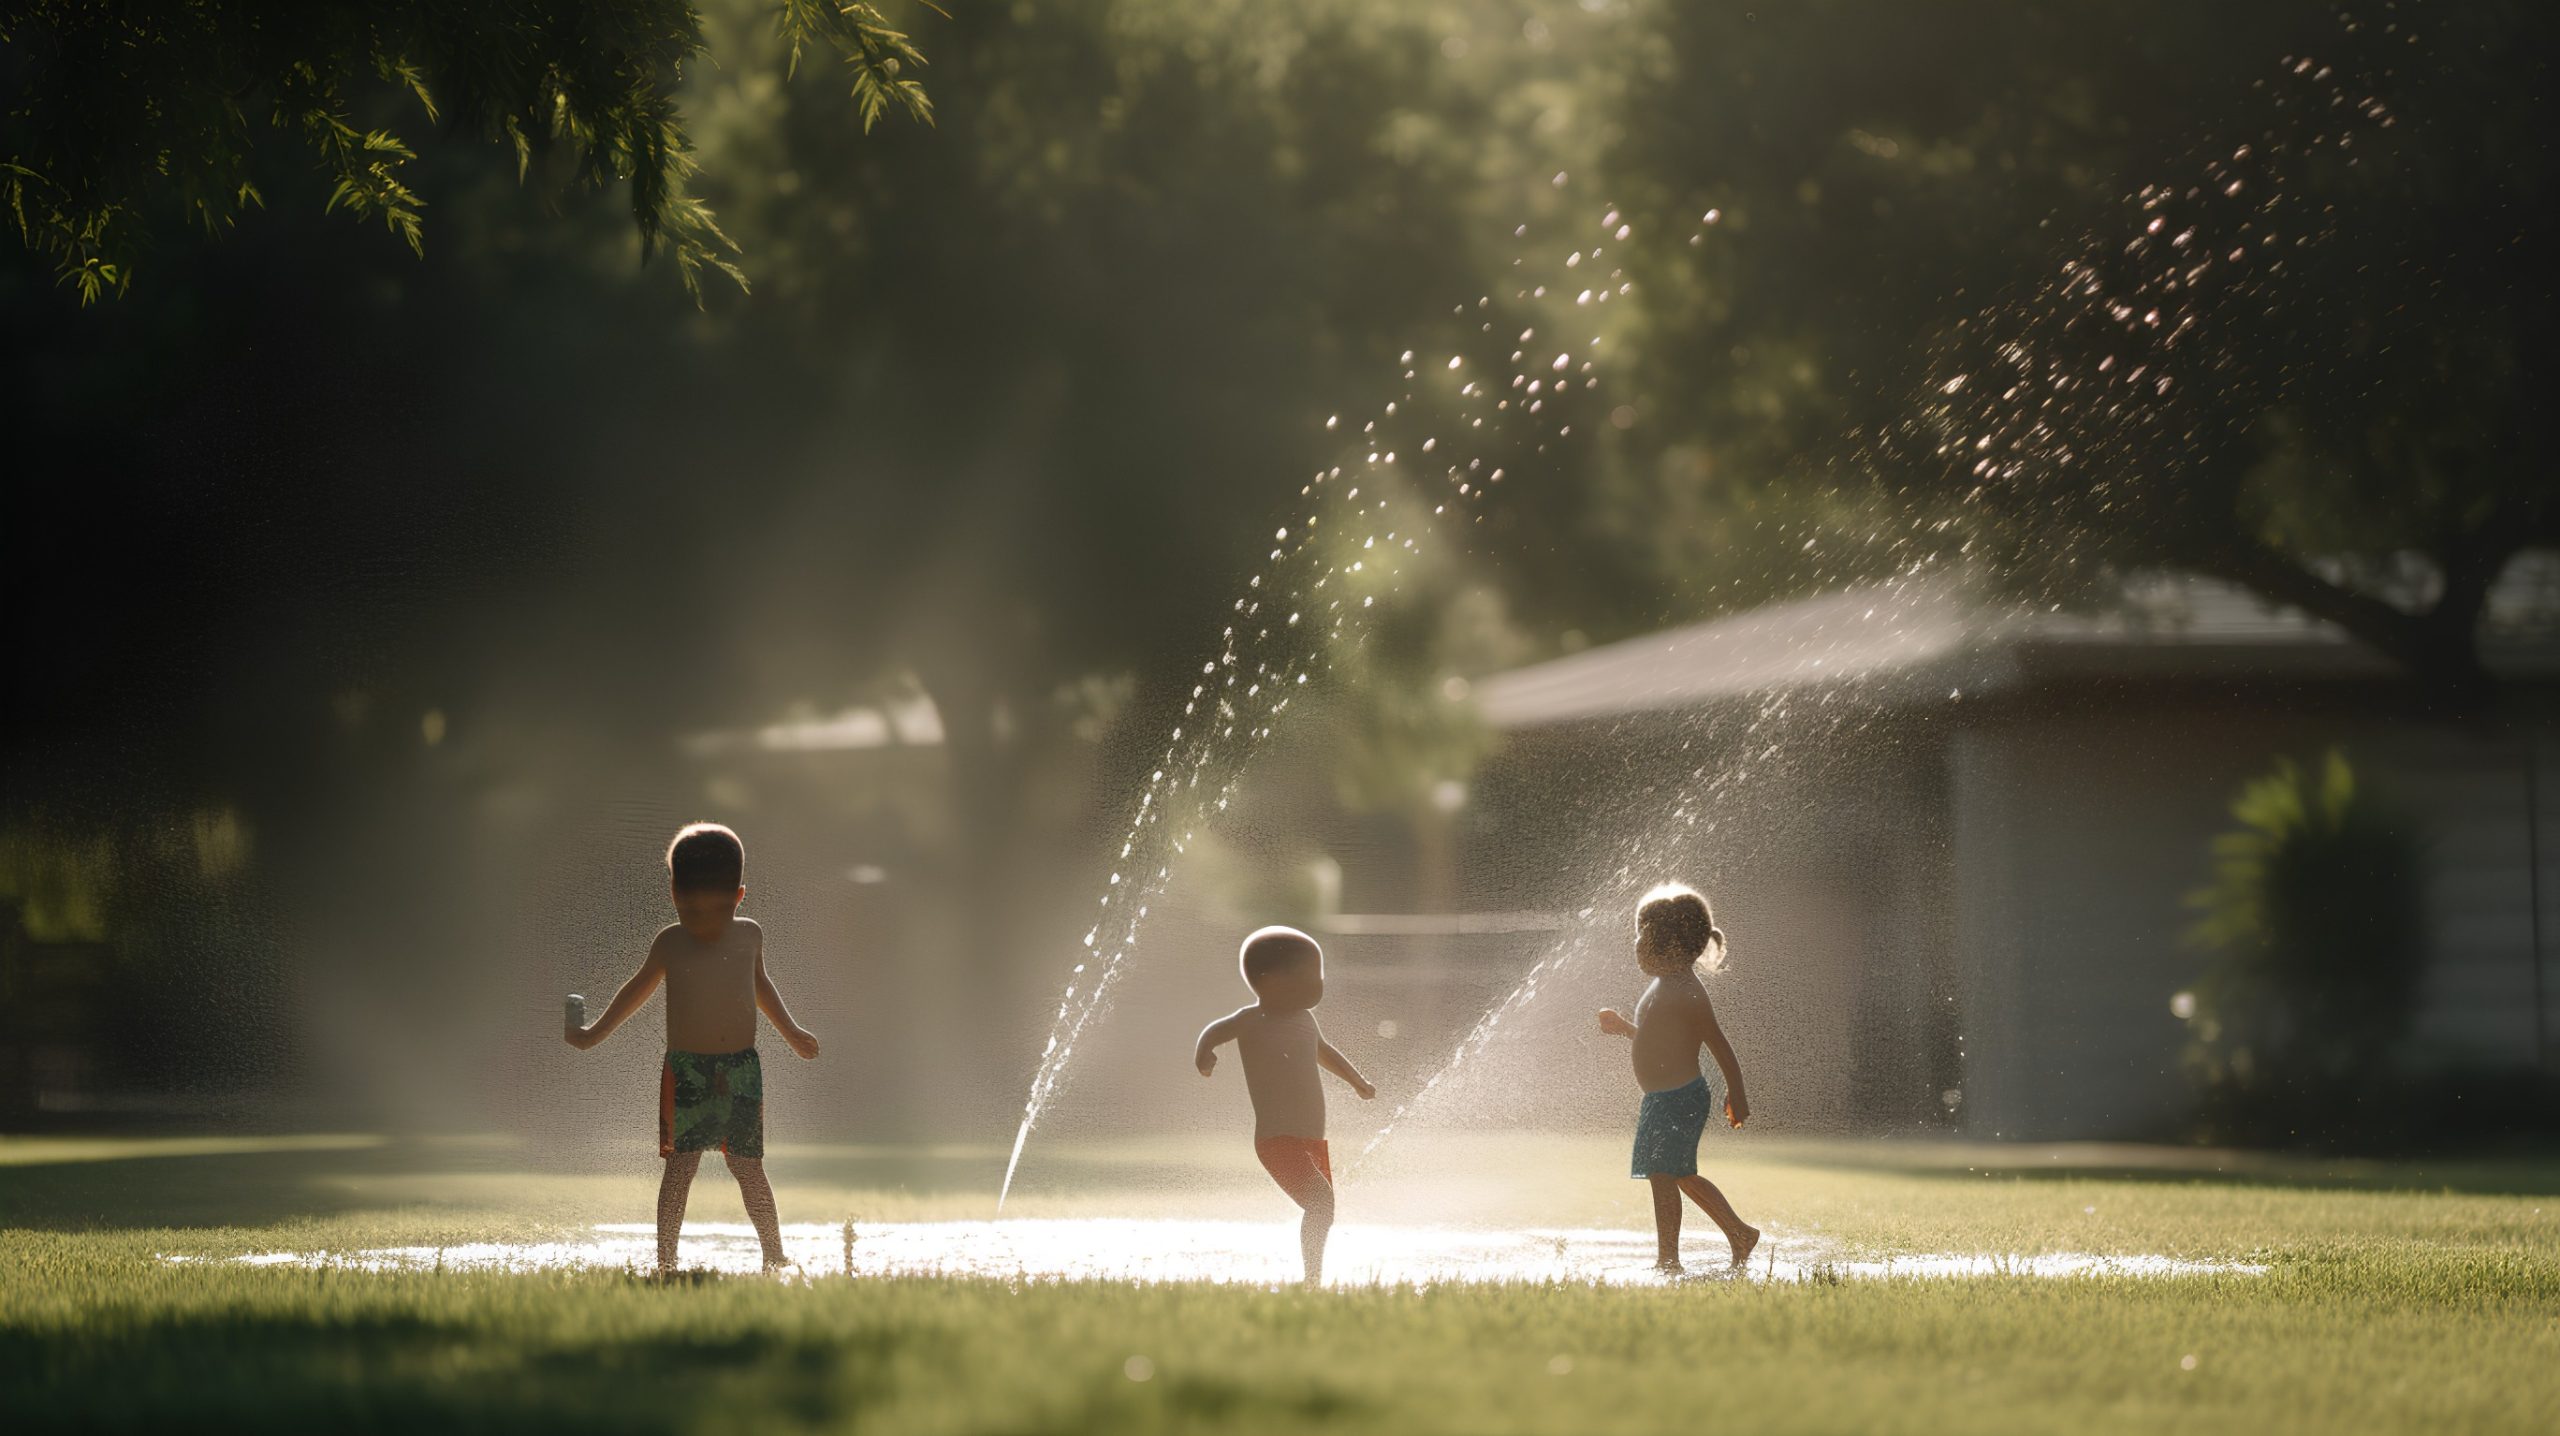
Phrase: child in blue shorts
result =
(1673, 930)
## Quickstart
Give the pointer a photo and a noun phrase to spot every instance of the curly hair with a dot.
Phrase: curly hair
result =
(1681, 928)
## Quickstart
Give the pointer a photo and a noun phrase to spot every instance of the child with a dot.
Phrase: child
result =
(1282, 1049)
(1673, 930)
(711, 1089)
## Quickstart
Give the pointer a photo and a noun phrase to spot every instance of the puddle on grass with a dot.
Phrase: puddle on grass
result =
(1252, 1253)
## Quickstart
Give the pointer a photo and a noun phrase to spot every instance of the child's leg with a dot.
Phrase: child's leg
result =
(1741, 1234)
(1304, 1170)
(1666, 1221)
(674, 1185)
(757, 1193)
(1315, 1227)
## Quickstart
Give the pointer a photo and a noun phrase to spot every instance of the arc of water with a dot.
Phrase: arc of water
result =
(1543, 390)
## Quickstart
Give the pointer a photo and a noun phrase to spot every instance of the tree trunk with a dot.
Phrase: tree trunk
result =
(2439, 647)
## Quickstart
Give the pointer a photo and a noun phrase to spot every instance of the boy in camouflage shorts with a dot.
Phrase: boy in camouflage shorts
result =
(711, 1089)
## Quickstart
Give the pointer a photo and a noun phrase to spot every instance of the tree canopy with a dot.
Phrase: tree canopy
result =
(2252, 294)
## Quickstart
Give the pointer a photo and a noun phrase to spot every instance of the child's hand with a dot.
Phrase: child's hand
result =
(1366, 1088)
(577, 1036)
(1737, 1108)
(1614, 1025)
(1208, 1062)
(802, 1041)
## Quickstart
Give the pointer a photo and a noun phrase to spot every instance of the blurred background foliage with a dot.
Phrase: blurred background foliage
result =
(2314, 923)
(366, 546)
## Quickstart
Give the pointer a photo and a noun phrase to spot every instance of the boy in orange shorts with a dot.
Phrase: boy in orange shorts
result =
(1282, 1048)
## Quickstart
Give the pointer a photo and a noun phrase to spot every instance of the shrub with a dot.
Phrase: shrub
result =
(2314, 925)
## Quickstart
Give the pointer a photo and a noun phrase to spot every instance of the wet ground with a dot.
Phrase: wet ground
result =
(1255, 1253)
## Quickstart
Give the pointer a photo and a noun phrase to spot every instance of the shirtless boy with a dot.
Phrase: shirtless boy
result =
(1673, 930)
(1282, 1049)
(711, 1088)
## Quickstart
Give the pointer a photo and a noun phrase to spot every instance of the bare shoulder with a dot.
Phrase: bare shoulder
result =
(1695, 998)
(666, 938)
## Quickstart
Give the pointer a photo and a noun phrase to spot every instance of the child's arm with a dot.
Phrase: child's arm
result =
(1737, 1107)
(634, 994)
(1212, 1037)
(796, 1036)
(1614, 1025)
(1340, 1066)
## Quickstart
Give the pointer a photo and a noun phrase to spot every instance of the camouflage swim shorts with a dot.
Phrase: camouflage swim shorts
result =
(711, 1100)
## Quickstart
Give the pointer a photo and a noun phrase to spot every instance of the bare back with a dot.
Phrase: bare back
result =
(711, 987)
(1672, 1019)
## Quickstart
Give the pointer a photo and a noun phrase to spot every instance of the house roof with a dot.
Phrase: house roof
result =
(1905, 639)
(906, 722)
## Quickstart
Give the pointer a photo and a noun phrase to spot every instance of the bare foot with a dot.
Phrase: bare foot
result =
(1670, 1267)
(1742, 1246)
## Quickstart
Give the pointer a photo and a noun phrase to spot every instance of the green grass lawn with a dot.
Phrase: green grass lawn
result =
(2395, 1297)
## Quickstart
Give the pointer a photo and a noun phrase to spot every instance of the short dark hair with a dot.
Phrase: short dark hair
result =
(707, 857)
(1270, 949)
(1676, 917)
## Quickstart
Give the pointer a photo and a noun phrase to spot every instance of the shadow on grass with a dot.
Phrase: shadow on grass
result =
(409, 1373)
(503, 1372)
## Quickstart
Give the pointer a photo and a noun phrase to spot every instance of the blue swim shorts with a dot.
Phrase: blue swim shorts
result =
(1667, 1130)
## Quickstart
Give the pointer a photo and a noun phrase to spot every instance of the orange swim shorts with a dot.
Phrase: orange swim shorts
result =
(1303, 1166)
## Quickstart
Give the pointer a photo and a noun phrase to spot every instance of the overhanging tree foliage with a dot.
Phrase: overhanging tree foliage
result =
(121, 118)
